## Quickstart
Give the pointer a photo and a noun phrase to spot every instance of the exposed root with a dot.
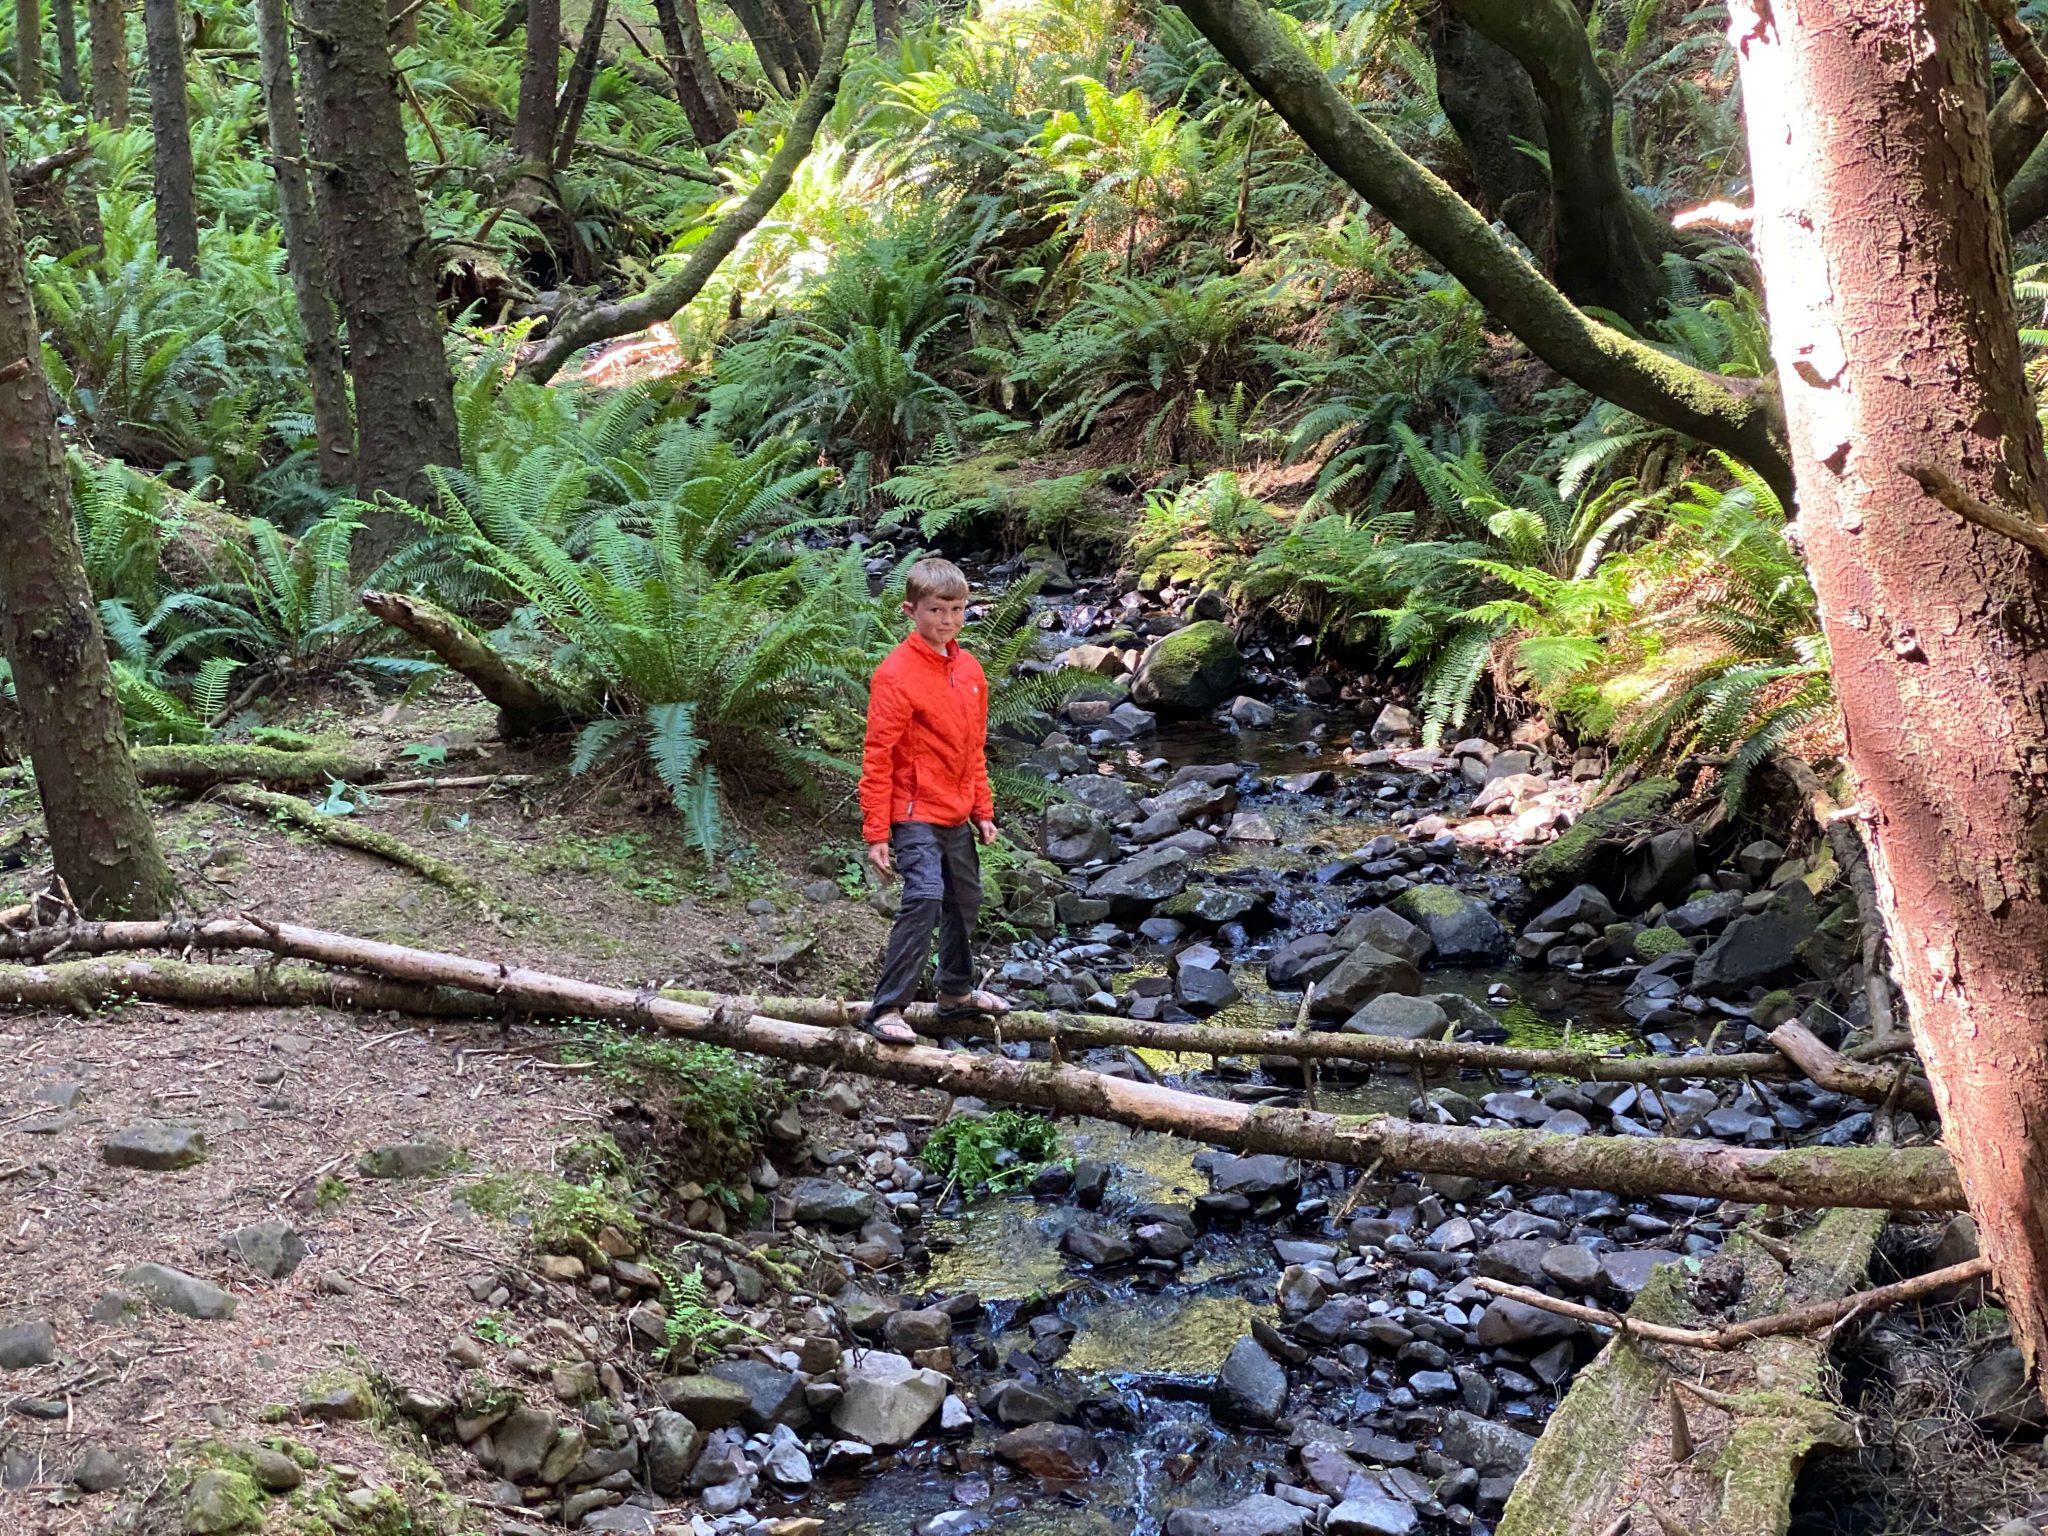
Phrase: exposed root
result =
(345, 833)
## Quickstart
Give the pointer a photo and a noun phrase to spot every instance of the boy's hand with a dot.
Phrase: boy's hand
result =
(878, 855)
(986, 831)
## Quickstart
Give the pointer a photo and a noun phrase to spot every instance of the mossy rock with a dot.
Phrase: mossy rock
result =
(1652, 943)
(1191, 670)
(222, 1500)
(1590, 853)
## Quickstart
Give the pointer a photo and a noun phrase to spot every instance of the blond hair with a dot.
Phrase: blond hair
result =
(933, 577)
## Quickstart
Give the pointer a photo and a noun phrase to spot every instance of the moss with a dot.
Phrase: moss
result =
(1420, 901)
(1192, 668)
(1576, 857)
(1653, 942)
(330, 1194)
(564, 1217)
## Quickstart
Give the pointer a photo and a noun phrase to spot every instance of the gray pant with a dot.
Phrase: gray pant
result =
(941, 874)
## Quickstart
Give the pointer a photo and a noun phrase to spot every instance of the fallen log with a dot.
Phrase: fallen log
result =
(345, 832)
(525, 708)
(199, 768)
(1838, 1073)
(1903, 1179)
(1087, 1031)
(80, 986)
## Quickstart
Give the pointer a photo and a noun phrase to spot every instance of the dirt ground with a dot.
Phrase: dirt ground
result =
(589, 879)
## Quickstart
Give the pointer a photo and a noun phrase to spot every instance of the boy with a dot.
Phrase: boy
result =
(924, 798)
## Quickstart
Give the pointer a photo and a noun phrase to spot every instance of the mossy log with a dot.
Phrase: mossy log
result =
(81, 986)
(345, 832)
(1609, 1451)
(206, 767)
(525, 708)
(1903, 1179)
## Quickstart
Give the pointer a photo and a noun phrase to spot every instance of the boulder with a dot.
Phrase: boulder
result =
(774, 1395)
(1139, 884)
(1624, 1274)
(1997, 1395)
(1753, 951)
(1251, 1386)
(1393, 723)
(1189, 671)
(1097, 1248)
(1264, 1175)
(1512, 1322)
(157, 1145)
(271, 1248)
(829, 1203)
(407, 1160)
(1251, 714)
(1592, 851)
(1461, 927)
(1297, 963)
(1074, 834)
(1370, 1511)
(672, 1446)
(1260, 1515)
(175, 1291)
(1203, 990)
(1013, 1405)
(908, 1331)
(1581, 904)
(1363, 975)
(1661, 869)
(29, 1343)
(1062, 1453)
(1110, 797)
(887, 1400)
(1398, 1017)
(709, 1402)
(1388, 931)
(1484, 1446)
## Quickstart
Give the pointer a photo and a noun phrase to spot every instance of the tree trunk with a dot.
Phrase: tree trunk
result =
(769, 33)
(533, 129)
(888, 23)
(1601, 259)
(405, 394)
(2026, 195)
(578, 328)
(107, 24)
(2017, 123)
(1892, 319)
(101, 840)
(170, 132)
(402, 26)
(1916, 1178)
(1490, 104)
(28, 49)
(802, 23)
(305, 255)
(576, 94)
(1742, 419)
(64, 18)
(698, 89)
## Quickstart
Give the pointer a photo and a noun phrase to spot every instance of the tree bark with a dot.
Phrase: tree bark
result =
(1601, 257)
(578, 328)
(100, 835)
(107, 24)
(888, 22)
(1907, 1179)
(2026, 195)
(698, 88)
(533, 129)
(305, 255)
(773, 47)
(1742, 419)
(1892, 319)
(1487, 98)
(170, 132)
(28, 50)
(83, 986)
(524, 707)
(2017, 124)
(64, 19)
(576, 93)
(804, 36)
(377, 239)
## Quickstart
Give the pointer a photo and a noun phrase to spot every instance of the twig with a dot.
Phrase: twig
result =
(648, 163)
(1999, 520)
(403, 17)
(462, 781)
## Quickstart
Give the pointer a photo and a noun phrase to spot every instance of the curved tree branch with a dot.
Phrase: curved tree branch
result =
(1743, 420)
(578, 328)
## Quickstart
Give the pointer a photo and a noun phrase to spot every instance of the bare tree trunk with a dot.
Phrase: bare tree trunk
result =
(1490, 104)
(533, 129)
(1890, 297)
(698, 88)
(305, 255)
(100, 835)
(801, 22)
(402, 29)
(769, 33)
(377, 239)
(28, 49)
(888, 22)
(64, 18)
(108, 25)
(576, 93)
(177, 206)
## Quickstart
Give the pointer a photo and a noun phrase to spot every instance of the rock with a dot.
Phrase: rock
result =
(221, 1501)
(1393, 723)
(407, 1160)
(1363, 975)
(1754, 950)
(1759, 858)
(1387, 931)
(100, 1470)
(622, 1520)
(1366, 1511)
(157, 1145)
(1076, 835)
(1202, 990)
(28, 1343)
(522, 1440)
(1097, 1249)
(888, 1401)
(1251, 1386)
(1591, 852)
(774, 1395)
(1251, 714)
(175, 1291)
(1518, 1261)
(1399, 1018)
(274, 1471)
(271, 1248)
(1297, 963)
(1266, 1175)
(1627, 1272)
(1484, 1446)
(1574, 1268)
(1260, 1515)
(1996, 1393)
(786, 1465)
(1214, 905)
(1062, 1453)
(1461, 927)
(1252, 827)
(1110, 797)
(1661, 869)
(1013, 1404)
(1513, 1322)
(346, 1400)
(709, 1402)
(1139, 884)
(829, 1203)
(1189, 671)
(672, 1446)
(907, 1332)
(843, 1098)
(1581, 904)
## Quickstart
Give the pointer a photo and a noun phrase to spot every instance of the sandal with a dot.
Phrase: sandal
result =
(889, 1029)
(985, 1005)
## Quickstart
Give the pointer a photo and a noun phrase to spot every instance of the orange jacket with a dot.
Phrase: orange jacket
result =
(925, 757)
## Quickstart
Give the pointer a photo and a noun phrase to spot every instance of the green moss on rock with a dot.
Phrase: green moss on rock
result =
(1190, 670)
(222, 1500)
(1653, 942)
(1582, 855)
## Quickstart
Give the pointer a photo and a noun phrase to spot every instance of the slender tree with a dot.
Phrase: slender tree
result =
(64, 18)
(800, 20)
(888, 21)
(1488, 101)
(177, 206)
(533, 127)
(1892, 319)
(107, 26)
(100, 835)
(774, 49)
(576, 93)
(698, 88)
(305, 255)
(28, 49)
(377, 238)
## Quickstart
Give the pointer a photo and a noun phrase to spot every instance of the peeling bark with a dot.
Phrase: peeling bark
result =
(1890, 299)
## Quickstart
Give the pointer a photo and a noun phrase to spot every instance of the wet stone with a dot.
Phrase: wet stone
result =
(1251, 1387)
(1055, 1452)
(1368, 1511)
(1260, 1515)
(156, 1145)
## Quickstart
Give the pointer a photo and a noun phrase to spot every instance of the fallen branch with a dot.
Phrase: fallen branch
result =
(345, 832)
(81, 986)
(524, 707)
(1811, 1319)
(432, 785)
(1999, 520)
(38, 171)
(1839, 1074)
(1906, 1179)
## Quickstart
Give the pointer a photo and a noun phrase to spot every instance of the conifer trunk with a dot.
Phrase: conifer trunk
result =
(576, 93)
(698, 89)
(769, 33)
(1893, 324)
(107, 24)
(177, 206)
(377, 239)
(28, 49)
(533, 128)
(101, 840)
(305, 255)
(64, 19)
